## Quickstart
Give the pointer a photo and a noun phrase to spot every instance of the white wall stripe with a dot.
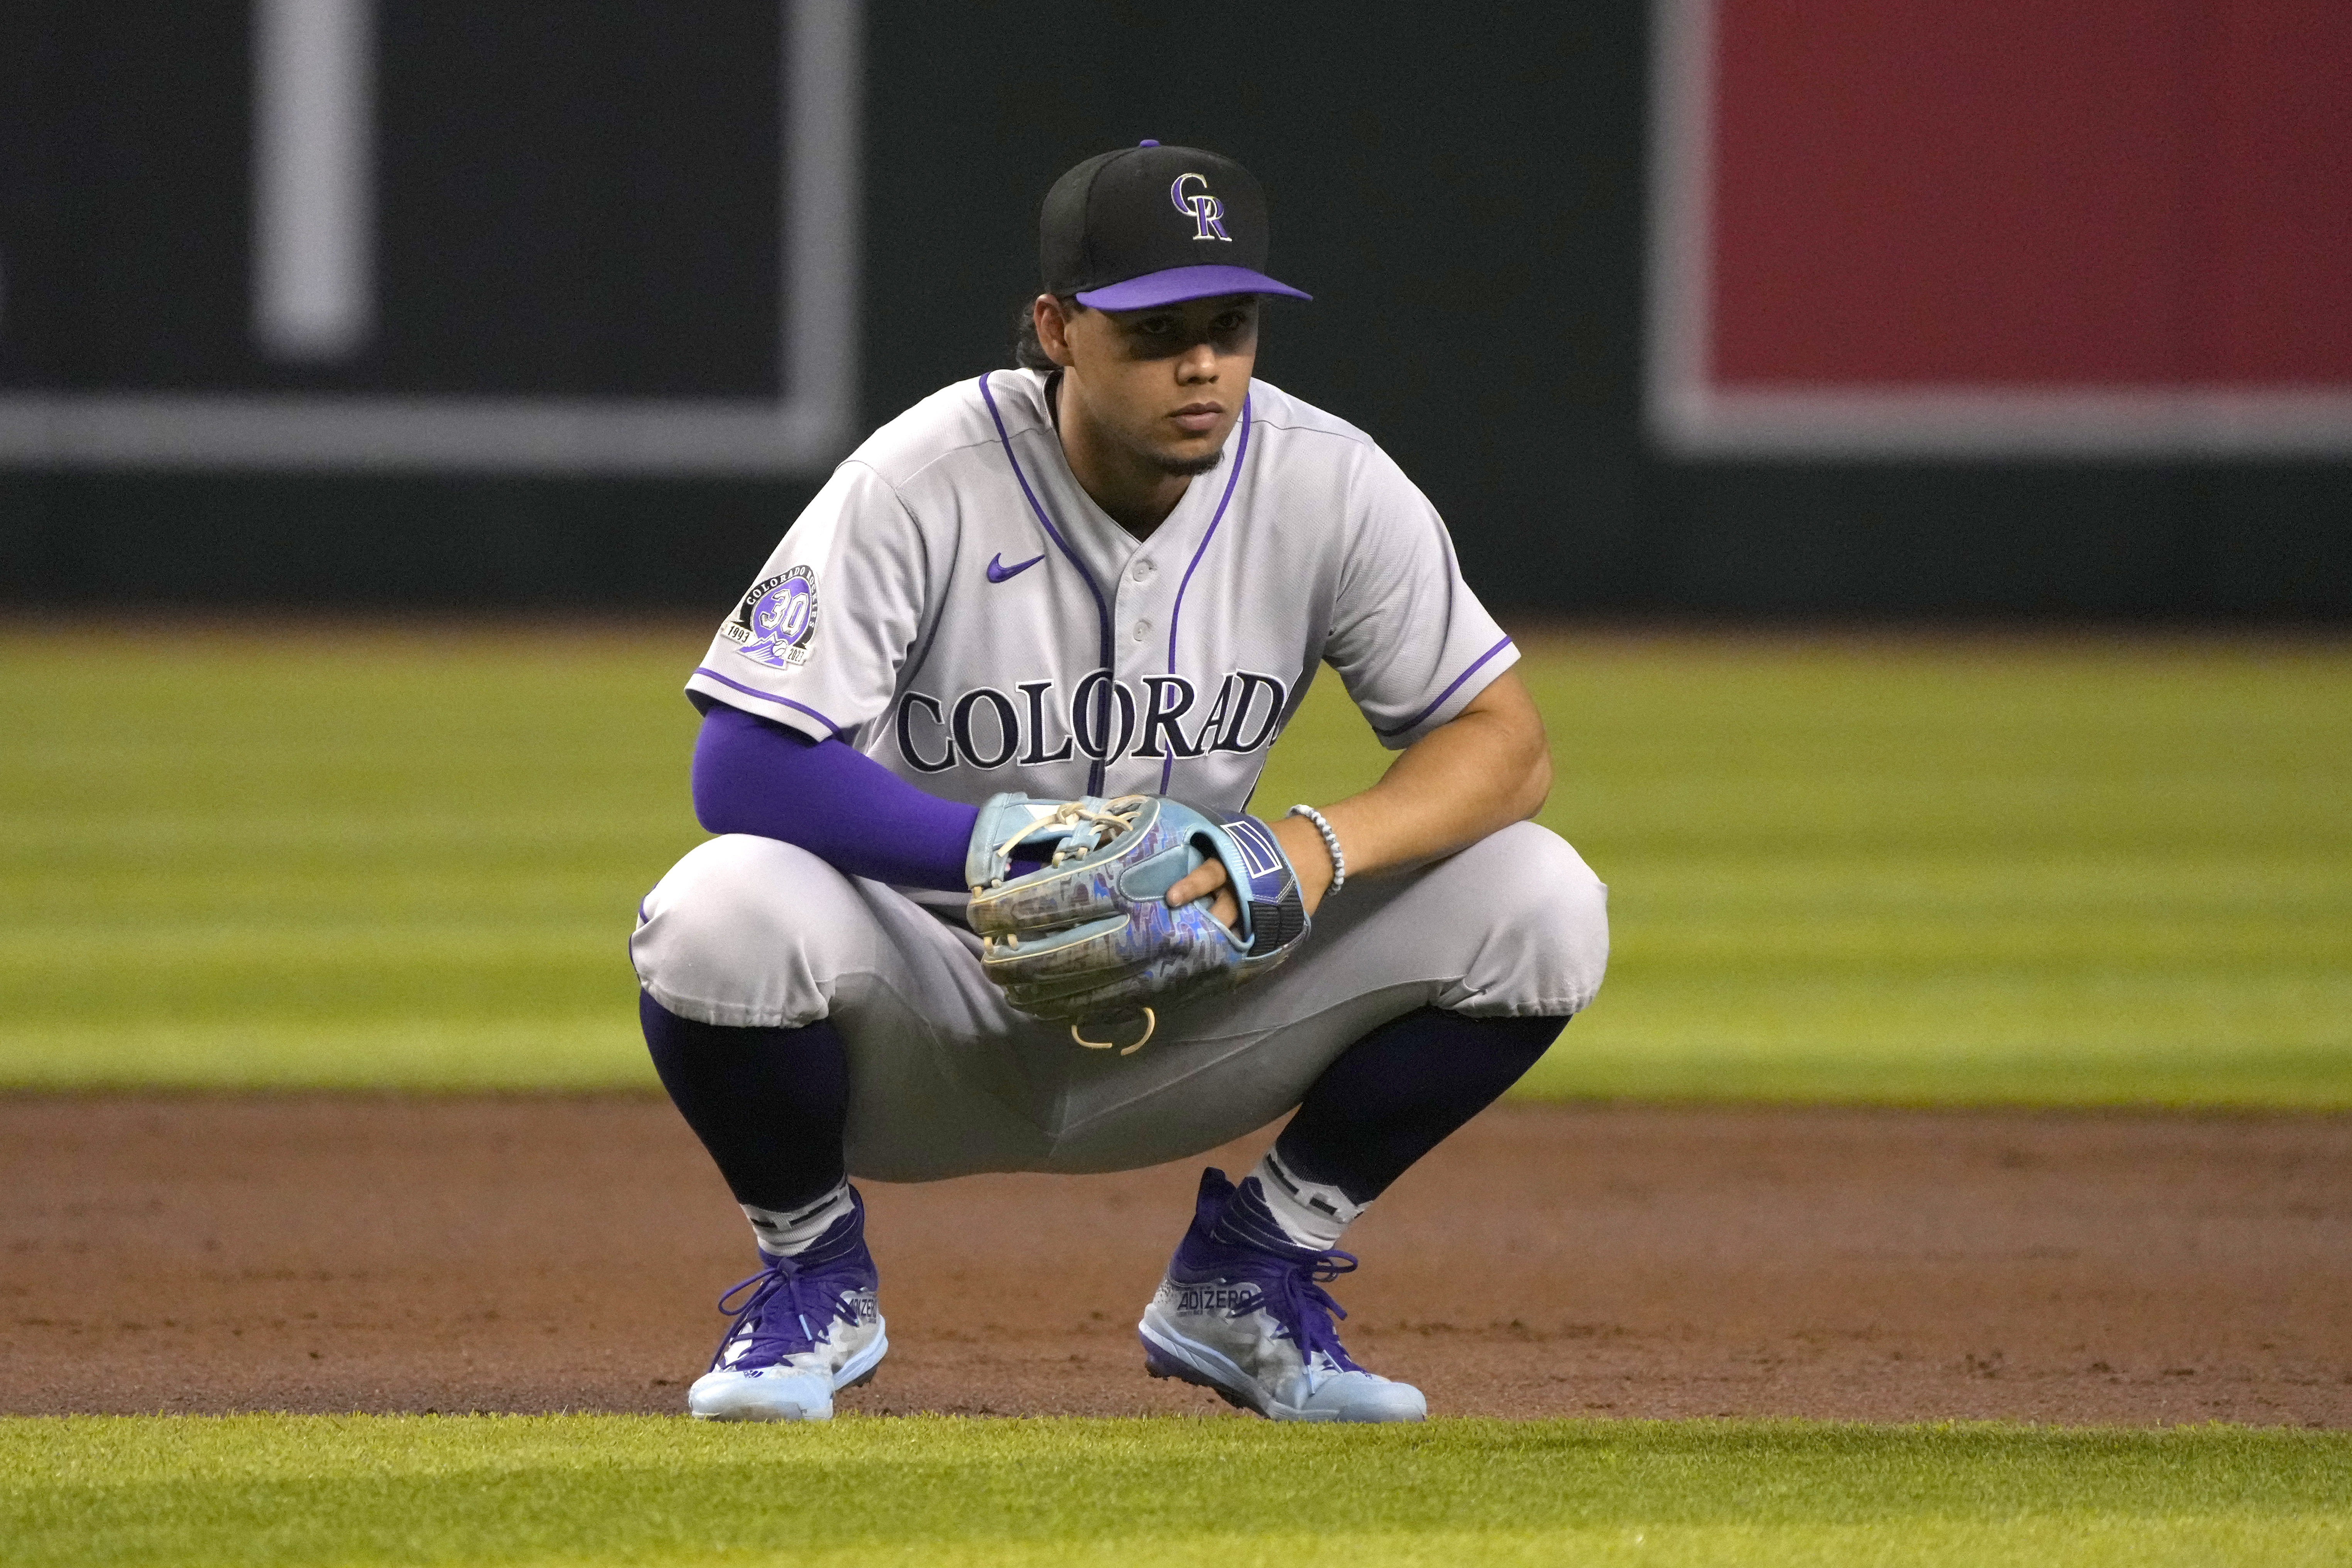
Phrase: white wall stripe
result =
(313, 177)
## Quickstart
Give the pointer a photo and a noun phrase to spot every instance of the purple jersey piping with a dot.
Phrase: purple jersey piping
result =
(1168, 764)
(1102, 610)
(1474, 666)
(770, 697)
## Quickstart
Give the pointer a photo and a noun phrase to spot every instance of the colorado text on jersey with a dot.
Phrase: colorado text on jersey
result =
(985, 728)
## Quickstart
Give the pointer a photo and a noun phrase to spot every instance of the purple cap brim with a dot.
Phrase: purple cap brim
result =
(1179, 284)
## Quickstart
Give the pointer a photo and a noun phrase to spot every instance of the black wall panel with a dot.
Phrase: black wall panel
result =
(1461, 190)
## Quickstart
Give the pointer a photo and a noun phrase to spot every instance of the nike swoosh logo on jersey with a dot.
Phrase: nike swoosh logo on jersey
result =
(998, 571)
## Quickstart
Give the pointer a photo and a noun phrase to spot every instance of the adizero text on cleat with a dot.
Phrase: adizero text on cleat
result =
(1242, 1312)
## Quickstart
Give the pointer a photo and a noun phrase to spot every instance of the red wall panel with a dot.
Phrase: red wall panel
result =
(2275, 205)
(2004, 193)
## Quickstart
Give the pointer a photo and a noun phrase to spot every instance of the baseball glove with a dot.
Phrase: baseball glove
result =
(1087, 935)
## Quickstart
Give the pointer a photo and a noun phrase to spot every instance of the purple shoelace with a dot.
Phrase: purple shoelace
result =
(1236, 1238)
(794, 1300)
(1290, 1290)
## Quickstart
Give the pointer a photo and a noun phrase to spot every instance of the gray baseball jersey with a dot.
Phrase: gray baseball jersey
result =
(954, 604)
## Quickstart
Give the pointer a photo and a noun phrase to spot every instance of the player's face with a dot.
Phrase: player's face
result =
(1166, 384)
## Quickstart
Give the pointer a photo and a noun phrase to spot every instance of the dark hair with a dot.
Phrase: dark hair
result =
(1028, 353)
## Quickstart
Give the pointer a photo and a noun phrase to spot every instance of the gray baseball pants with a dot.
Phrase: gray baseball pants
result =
(946, 1080)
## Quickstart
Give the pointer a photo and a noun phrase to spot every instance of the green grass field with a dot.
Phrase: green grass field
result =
(2027, 871)
(2030, 871)
(1840, 871)
(604, 1490)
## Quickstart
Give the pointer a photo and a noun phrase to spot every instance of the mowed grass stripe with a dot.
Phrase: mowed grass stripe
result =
(1915, 871)
(593, 1490)
(1898, 870)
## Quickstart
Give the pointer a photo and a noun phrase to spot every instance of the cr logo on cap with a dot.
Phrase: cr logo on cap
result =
(1205, 210)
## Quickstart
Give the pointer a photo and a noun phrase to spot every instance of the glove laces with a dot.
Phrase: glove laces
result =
(1109, 820)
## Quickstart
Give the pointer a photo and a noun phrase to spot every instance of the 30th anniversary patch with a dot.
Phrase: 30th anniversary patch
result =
(777, 621)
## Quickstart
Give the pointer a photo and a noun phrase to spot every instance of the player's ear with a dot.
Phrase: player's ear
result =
(1053, 329)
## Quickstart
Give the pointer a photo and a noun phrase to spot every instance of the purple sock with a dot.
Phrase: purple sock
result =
(769, 1104)
(1401, 1090)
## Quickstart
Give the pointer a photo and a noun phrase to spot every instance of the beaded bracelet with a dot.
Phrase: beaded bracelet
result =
(1330, 842)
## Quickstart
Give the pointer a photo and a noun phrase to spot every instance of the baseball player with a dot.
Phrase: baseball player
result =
(977, 745)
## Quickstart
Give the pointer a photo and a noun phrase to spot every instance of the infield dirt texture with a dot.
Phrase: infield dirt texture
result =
(204, 1255)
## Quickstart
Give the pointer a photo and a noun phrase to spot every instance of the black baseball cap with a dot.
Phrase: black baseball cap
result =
(1152, 226)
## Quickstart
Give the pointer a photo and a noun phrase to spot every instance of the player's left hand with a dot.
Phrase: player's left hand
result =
(1309, 861)
(1093, 936)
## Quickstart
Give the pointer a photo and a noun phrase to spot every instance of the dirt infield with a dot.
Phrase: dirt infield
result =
(529, 1254)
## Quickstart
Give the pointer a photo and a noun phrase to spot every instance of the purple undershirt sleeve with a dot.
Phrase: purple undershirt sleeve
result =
(831, 799)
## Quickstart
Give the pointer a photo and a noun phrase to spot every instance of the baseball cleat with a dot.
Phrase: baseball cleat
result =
(1242, 1314)
(808, 1329)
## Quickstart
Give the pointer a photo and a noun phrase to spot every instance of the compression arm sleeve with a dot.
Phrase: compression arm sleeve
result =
(834, 801)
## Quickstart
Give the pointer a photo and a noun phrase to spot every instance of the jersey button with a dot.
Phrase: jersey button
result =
(1142, 570)
(1142, 630)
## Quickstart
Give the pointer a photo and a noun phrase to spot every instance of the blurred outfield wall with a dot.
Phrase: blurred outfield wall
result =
(814, 213)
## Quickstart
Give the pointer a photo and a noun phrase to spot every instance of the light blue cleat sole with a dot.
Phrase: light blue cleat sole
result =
(1350, 1397)
(794, 1397)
